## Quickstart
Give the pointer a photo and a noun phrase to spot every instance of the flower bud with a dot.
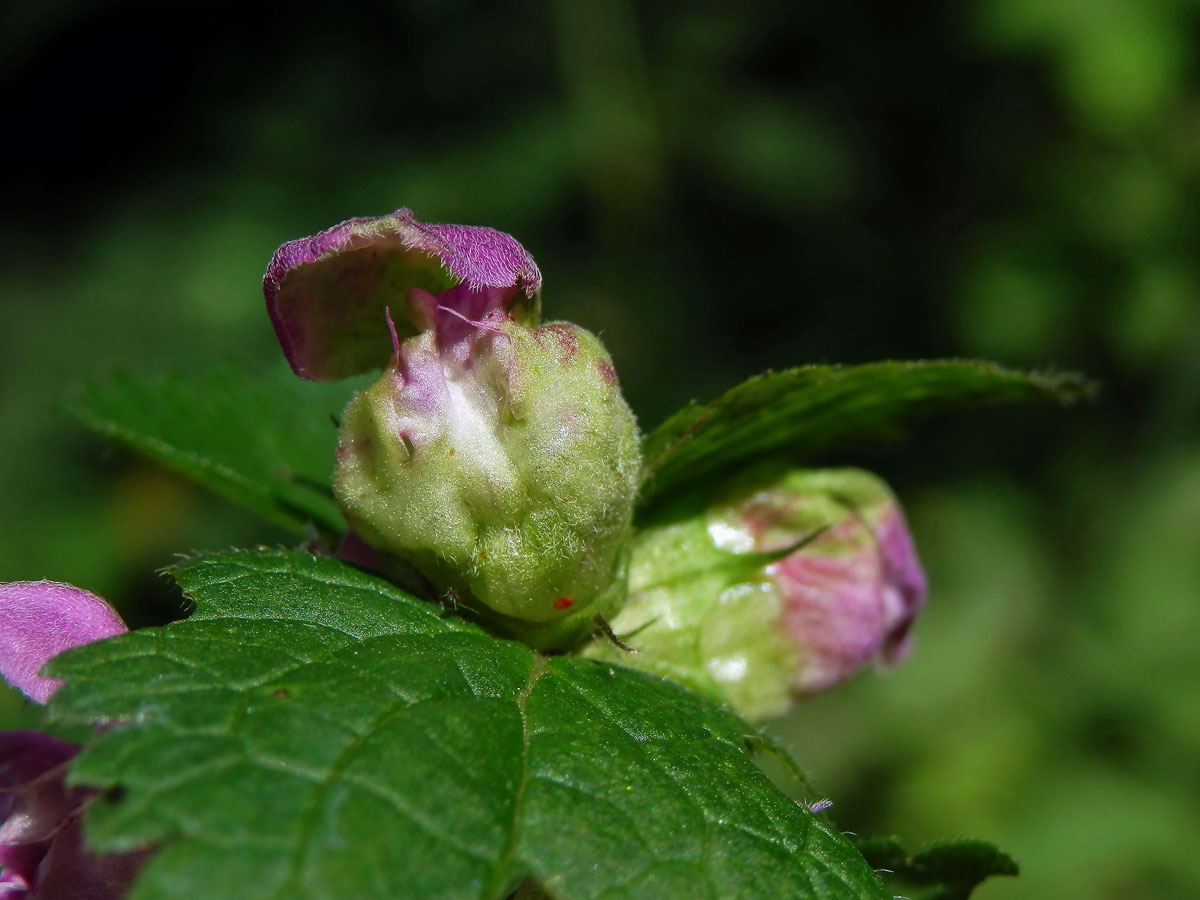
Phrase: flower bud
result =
(778, 589)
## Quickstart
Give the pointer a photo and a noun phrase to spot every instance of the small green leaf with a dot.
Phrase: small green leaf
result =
(266, 443)
(313, 732)
(803, 411)
(950, 870)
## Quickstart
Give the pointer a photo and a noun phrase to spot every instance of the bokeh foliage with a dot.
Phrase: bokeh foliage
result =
(718, 188)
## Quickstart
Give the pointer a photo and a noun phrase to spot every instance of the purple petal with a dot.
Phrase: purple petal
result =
(70, 871)
(41, 619)
(851, 596)
(834, 605)
(42, 853)
(326, 294)
(358, 552)
(34, 802)
(26, 755)
(905, 587)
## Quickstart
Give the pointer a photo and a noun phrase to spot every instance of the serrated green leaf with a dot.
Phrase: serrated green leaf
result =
(265, 443)
(807, 410)
(313, 732)
(948, 870)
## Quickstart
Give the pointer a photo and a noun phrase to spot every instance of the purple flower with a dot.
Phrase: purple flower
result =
(42, 855)
(326, 294)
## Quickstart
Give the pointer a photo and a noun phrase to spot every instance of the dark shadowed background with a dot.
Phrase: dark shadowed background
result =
(717, 188)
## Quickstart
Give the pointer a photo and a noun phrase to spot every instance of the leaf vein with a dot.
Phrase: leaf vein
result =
(507, 855)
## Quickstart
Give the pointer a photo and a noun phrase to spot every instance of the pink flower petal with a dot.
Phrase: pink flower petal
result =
(326, 294)
(41, 619)
(853, 602)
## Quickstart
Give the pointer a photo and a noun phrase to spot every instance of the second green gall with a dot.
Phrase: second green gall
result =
(780, 586)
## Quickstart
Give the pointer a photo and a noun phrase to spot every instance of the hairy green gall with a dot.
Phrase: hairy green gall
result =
(495, 457)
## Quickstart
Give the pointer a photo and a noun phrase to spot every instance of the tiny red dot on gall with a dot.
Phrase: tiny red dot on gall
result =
(564, 603)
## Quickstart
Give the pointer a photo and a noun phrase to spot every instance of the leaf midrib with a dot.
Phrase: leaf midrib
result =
(499, 875)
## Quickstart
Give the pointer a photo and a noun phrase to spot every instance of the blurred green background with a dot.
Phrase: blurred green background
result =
(717, 187)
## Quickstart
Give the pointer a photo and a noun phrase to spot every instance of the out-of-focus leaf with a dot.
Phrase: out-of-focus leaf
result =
(313, 732)
(265, 443)
(807, 410)
(949, 870)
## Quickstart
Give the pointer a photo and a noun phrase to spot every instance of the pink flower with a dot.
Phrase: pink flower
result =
(42, 855)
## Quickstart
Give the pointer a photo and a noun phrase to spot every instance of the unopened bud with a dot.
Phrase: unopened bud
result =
(777, 590)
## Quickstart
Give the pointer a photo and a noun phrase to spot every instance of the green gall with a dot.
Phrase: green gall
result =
(501, 462)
